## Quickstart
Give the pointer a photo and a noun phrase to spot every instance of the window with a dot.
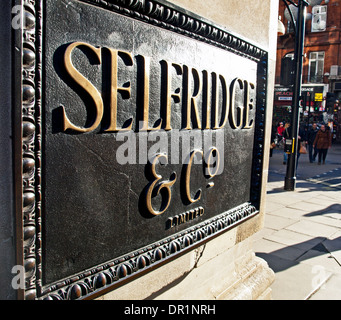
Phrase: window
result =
(316, 66)
(319, 18)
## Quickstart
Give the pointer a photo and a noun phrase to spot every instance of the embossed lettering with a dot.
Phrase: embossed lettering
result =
(248, 105)
(219, 101)
(191, 103)
(236, 112)
(206, 108)
(169, 95)
(156, 187)
(85, 84)
(146, 76)
(115, 89)
(224, 102)
(212, 161)
(188, 178)
(184, 217)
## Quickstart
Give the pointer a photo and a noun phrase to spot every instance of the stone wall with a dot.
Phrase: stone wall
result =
(226, 267)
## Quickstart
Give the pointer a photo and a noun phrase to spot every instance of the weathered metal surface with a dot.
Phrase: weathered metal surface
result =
(119, 87)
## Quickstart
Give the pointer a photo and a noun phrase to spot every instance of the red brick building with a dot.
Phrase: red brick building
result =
(321, 83)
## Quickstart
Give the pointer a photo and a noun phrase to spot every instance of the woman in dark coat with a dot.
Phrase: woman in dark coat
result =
(322, 143)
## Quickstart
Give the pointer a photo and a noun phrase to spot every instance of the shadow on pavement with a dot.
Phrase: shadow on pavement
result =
(334, 208)
(320, 249)
(279, 260)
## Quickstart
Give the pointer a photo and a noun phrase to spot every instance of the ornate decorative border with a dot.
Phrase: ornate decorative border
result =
(31, 143)
(166, 15)
(106, 276)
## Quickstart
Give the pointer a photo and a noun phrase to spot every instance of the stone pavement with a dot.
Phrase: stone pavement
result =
(301, 238)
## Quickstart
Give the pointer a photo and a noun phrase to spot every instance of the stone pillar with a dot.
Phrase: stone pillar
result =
(86, 224)
(225, 268)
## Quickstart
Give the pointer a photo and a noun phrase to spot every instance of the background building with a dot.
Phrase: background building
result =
(321, 81)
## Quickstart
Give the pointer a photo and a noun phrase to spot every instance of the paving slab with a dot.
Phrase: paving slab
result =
(296, 240)
(312, 228)
(262, 233)
(335, 235)
(333, 195)
(334, 247)
(301, 239)
(277, 222)
(307, 206)
(321, 199)
(293, 281)
(330, 290)
(331, 210)
(283, 199)
(281, 250)
(323, 262)
(289, 213)
(272, 206)
(327, 219)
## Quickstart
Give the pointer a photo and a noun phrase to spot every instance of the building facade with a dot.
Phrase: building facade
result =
(321, 78)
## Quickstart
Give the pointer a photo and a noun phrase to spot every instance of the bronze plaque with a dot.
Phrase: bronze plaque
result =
(143, 137)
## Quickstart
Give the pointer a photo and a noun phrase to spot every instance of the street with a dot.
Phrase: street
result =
(301, 238)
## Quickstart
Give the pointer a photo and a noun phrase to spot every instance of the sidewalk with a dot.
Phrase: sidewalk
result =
(301, 239)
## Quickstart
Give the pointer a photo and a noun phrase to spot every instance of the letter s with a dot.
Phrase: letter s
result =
(85, 84)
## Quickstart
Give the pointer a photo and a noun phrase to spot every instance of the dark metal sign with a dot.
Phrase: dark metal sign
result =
(143, 137)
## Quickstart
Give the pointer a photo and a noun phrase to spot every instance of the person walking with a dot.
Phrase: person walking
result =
(279, 135)
(311, 138)
(302, 138)
(280, 129)
(322, 142)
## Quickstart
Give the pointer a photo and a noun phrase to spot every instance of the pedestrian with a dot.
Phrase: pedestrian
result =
(279, 135)
(285, 136)
(301, 141)
(331, 135)
(322, 142)
(280, 129)
(311, 137)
